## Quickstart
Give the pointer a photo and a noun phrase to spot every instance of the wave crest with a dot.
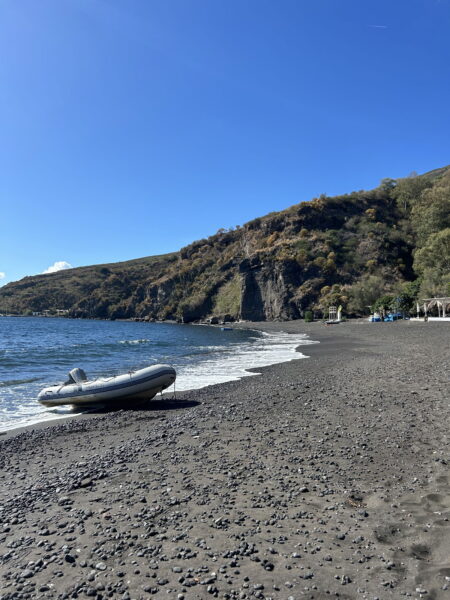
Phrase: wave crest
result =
(11, 382)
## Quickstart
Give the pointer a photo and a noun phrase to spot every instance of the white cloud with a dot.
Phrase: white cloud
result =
(59, 265)
(2, 275)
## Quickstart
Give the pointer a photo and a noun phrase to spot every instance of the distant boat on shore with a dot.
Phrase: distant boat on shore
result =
(135, 386)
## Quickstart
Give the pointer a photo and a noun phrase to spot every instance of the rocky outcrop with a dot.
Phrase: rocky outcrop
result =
(268, 290)
(158, 296)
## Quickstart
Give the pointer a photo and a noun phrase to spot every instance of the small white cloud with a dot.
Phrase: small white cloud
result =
(379, 26)
(2, 275)
(59, 265)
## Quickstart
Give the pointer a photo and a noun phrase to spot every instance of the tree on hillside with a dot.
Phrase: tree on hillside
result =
(432, 262)
(408, 295)
(408, 191)
(364, 293)
(431, 212)
(388, 184)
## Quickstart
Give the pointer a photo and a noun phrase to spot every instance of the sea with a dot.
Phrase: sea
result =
(36, 352)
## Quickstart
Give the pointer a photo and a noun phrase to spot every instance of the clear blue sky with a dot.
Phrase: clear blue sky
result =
(133, 127)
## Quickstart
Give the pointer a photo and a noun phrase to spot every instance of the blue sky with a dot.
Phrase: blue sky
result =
(131, 128)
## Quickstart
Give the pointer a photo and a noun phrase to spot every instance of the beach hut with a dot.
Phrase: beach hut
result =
(441, 304)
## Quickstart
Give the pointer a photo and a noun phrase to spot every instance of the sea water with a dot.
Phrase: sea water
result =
(36, 352)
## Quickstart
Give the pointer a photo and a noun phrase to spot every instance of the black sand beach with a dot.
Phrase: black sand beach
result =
(323, 477)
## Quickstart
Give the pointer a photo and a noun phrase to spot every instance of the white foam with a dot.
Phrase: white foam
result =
(31, 413)
(268, 349)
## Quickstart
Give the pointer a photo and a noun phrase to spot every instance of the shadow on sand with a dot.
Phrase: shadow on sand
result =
(147, 407)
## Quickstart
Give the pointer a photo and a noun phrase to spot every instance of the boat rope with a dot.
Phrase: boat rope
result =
(174, 397)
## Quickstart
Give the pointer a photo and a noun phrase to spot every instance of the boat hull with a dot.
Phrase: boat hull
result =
(136, 387)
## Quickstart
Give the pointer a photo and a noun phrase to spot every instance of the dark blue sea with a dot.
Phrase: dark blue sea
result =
(36, 352)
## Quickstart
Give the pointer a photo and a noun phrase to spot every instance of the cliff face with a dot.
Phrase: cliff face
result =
(340, 250)
(268, 291)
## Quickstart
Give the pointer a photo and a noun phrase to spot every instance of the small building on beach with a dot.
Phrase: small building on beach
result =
(433, 305)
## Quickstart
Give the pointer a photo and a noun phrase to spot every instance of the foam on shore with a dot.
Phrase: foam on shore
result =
(264, 350)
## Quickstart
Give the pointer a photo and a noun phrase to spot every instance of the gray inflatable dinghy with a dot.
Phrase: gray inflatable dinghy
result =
(136, 386)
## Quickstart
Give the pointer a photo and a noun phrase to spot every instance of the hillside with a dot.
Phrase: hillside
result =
(90, 291)
(353, 250)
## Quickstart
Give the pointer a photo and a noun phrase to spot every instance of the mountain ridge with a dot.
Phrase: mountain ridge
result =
(350, 249)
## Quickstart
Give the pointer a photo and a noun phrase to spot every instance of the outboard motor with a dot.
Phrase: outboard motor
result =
(77, 376)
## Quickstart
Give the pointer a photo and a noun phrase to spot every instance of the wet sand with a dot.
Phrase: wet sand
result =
(322, 477)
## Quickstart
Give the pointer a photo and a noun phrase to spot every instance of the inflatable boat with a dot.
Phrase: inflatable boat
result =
(135, 386)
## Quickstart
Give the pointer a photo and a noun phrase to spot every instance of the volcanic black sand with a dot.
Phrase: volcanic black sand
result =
(323, 477)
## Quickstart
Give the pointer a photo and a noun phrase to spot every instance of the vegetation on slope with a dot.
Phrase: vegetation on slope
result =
(94, 291)
(353, 250)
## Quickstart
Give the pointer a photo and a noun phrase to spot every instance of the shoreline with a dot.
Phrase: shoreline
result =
(244, 372)
(318, 478)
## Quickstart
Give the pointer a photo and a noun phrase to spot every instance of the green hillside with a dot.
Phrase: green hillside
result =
(355, 250)
(89, 291)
